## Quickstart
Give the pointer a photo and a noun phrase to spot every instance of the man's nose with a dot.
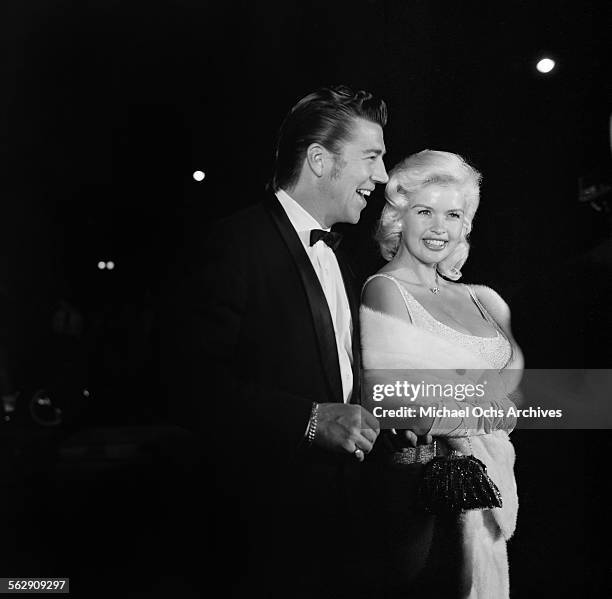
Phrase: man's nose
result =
(380, 173)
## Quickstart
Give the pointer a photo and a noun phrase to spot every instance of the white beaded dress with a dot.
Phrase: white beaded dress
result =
(484, 532)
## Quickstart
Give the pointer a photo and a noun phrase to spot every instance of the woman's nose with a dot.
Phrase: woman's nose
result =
(438, 225)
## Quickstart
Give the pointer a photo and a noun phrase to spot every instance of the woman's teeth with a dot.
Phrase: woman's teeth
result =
(364, 193)
(435, 244)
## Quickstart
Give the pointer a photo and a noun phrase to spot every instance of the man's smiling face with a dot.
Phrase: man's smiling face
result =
(357, 169)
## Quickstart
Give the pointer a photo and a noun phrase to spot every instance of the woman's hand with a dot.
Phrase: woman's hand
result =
(401, 439)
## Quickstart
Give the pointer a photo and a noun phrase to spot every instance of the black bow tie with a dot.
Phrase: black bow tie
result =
(331, 238)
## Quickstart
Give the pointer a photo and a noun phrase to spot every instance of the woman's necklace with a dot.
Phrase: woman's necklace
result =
(435, 290)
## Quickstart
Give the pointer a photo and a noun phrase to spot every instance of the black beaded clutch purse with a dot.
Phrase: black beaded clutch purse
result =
(457, 483)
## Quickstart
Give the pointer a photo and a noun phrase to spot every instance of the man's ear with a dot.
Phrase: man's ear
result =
(317, 158)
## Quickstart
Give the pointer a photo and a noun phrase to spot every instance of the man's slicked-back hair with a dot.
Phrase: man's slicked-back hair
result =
(326, 117)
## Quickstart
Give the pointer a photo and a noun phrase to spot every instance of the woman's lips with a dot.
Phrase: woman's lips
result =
(436, 245)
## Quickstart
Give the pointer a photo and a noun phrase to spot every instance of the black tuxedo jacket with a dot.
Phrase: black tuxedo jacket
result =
(250, 345)
(254, 343)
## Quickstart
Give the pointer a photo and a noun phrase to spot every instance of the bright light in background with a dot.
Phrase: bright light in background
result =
(199, 175)
(101, 265)
(110, 265)
(546, 65)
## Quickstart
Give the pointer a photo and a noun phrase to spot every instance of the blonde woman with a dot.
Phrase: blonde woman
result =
(416, 315)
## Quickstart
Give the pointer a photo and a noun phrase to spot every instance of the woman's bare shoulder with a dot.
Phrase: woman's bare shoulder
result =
(493, 302)
(382, 294)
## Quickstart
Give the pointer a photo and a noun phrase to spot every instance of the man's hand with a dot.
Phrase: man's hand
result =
(345, 428)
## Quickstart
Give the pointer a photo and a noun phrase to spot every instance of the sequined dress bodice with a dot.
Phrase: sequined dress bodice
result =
(494, 350)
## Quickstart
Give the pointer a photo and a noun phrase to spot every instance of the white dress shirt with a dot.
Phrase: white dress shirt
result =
(325, 264)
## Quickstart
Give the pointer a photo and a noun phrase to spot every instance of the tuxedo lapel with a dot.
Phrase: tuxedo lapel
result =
(349, 284)
(321, 317)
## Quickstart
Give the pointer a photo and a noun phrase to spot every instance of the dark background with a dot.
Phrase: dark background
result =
(107, 109)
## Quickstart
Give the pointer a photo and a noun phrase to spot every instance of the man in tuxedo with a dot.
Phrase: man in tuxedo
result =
(268, 357)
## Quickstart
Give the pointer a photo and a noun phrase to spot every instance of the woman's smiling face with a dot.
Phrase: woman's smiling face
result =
(433, 223)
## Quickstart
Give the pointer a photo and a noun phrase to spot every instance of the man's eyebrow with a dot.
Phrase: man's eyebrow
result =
(376, 151)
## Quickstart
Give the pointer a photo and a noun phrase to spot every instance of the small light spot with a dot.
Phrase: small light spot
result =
(199, 175)
(110, 265)
(101, 265)
(546, 65)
